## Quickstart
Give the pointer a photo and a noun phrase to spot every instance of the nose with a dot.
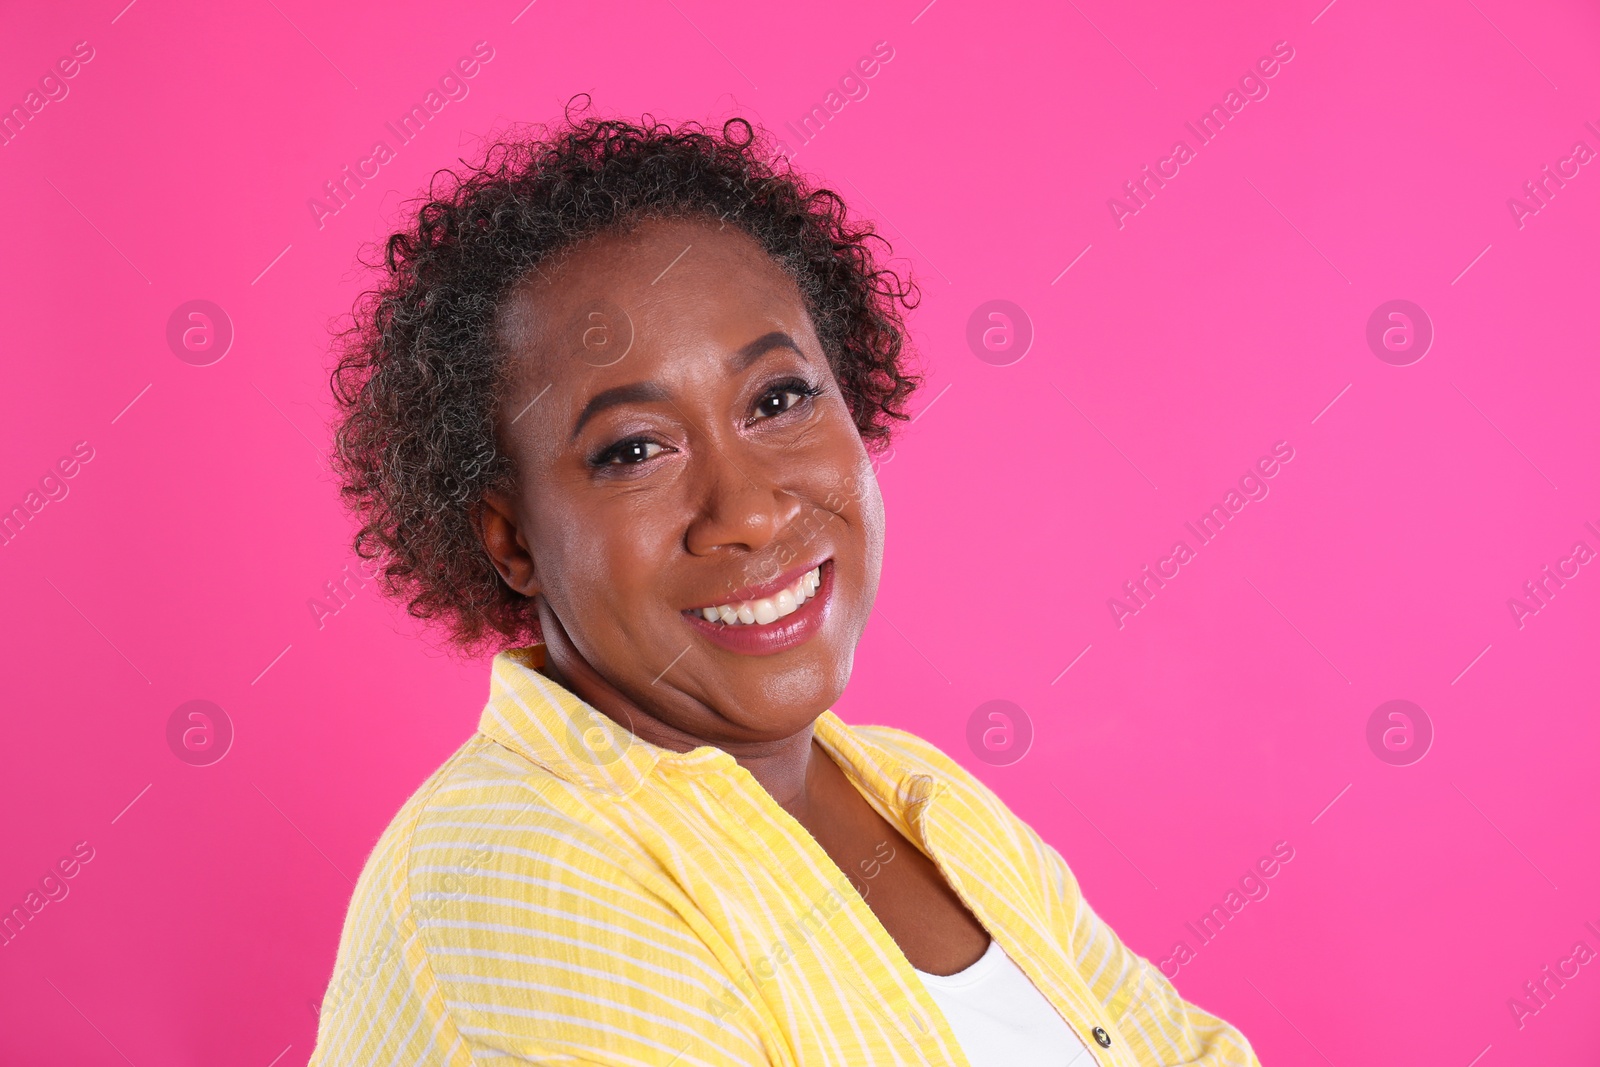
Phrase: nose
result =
(741, 509)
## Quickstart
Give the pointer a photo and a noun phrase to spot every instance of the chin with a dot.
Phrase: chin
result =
(788, 700)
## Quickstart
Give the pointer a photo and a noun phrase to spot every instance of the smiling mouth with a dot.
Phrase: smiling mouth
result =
(767, 609)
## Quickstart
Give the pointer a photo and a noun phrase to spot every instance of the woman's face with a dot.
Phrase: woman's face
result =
(681, 444)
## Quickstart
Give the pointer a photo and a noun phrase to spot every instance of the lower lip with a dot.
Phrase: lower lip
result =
(757, 640)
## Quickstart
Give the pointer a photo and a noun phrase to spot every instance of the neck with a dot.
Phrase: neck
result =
(782, 767)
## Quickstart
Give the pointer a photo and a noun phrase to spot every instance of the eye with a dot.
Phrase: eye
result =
(784, 396)
(626, 453)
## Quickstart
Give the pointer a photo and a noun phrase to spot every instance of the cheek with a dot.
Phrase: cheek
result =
(606, 585)
(874, 524)
(614, 553)
(595, 554)
(855, 496)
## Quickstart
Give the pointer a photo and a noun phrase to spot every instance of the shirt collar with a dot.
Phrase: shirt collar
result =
(531, 714)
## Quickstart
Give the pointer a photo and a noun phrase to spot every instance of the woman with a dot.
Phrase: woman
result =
(612, 411)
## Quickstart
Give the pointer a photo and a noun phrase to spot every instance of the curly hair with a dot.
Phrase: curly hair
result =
(418, 372)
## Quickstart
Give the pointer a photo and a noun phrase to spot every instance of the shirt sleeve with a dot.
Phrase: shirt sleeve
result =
(1162, 1028)
(477, 936)
(382, 1005)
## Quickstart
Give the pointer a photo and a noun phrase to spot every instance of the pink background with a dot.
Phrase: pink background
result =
(1225, 316)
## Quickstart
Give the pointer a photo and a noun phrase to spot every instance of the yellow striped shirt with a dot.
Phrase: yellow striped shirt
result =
(560, 891)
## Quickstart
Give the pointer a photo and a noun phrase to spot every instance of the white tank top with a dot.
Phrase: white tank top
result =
(1000, 1017)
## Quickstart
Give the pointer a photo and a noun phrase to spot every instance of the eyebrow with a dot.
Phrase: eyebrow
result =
(632, 393)
(638, 392)
(764, 344)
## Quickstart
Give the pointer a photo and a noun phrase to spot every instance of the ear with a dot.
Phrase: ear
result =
(503, 539)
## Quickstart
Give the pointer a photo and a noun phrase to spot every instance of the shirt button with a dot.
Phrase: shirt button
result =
(1101, 1036)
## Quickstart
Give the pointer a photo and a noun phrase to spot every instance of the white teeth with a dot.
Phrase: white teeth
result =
(767, 609)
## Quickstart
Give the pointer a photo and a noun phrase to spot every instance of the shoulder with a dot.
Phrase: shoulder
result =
(496, 877)
(479, 778)
(487, 840)
(426, 838)
(489, 829)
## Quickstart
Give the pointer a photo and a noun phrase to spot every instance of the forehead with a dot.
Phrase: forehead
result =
(660, 284)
